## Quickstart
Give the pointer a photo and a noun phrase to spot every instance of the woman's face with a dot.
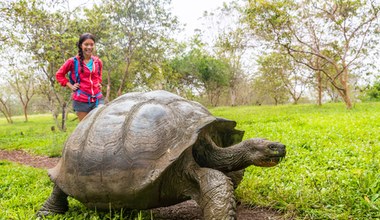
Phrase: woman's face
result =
(88, 47)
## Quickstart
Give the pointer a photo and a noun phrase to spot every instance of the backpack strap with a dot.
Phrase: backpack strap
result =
(77, 79)
(89, 96)
(76, 67)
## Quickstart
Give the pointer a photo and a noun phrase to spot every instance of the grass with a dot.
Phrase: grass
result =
(24, 189)
(35, 136)
(331, 170)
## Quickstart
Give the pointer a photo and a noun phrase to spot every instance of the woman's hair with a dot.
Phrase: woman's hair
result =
(82, 38)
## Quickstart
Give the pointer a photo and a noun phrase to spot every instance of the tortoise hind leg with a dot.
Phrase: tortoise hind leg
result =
(56, 204)
(216, 195)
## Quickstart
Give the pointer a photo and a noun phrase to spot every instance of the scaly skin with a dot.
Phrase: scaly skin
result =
(259, 152)
(56, 204)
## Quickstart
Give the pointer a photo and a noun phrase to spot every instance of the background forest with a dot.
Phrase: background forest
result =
(247, 53)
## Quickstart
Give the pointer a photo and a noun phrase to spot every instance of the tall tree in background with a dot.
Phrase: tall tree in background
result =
(337, 32)
(142, 30)
(231, 45)
(203, 73)
(230, 42)
(23, 84)
(5, 108)
(272, 78)
(288, 74)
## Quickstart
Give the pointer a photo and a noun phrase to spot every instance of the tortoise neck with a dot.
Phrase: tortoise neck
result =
(207, 154)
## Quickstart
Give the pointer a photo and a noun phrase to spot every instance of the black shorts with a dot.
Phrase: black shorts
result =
(85, 106)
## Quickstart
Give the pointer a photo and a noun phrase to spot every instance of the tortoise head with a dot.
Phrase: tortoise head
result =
(264, 153)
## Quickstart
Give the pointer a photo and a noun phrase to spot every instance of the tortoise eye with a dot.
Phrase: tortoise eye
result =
(273, 147)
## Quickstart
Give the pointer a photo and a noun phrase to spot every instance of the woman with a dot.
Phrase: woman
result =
(84, 77)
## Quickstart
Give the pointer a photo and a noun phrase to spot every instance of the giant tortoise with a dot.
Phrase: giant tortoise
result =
(155, 149)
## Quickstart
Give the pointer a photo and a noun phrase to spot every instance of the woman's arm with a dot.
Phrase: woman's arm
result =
(61, 77)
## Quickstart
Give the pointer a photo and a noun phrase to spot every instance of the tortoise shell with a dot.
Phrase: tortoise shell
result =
(121, 149)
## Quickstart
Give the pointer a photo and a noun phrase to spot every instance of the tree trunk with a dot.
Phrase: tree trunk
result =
(295, 99)
(8, 117)
(347, 99)
(125, 76)
(25, 109)
(319, 88)
(64, 107)
(6, 111)
(108, 91)
(346, 88)
(233, 96)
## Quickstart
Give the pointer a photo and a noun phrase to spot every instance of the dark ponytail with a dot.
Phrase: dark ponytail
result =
(82, 38)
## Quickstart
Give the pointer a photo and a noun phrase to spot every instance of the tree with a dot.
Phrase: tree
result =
(23, 83)
(5, 105)
(272, 78)
(229, 43)
(203, 72)
(142, 30)
(338, 33)
(294, 78)
(215, 75)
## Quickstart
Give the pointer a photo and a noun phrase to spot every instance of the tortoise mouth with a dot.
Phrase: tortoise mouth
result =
(269, 162)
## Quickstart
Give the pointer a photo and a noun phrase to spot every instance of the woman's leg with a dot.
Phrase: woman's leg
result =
(81, 115)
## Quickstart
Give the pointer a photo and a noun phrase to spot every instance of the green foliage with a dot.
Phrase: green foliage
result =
(264, 15)
(372, 93)
(137, 36)
(272, 77)
(331, 170)
(199, 69)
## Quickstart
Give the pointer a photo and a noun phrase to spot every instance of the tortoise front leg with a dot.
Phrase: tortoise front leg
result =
(216, 195)
(56, 204)
(236, 177)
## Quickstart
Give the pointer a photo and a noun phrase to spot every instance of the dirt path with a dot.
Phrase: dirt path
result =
(22, 157)
(184, 211)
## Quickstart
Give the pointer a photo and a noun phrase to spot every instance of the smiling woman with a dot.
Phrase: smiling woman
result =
(85, 76)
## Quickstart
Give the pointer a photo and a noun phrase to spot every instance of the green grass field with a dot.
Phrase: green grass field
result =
(331, 170)
(35, 136)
